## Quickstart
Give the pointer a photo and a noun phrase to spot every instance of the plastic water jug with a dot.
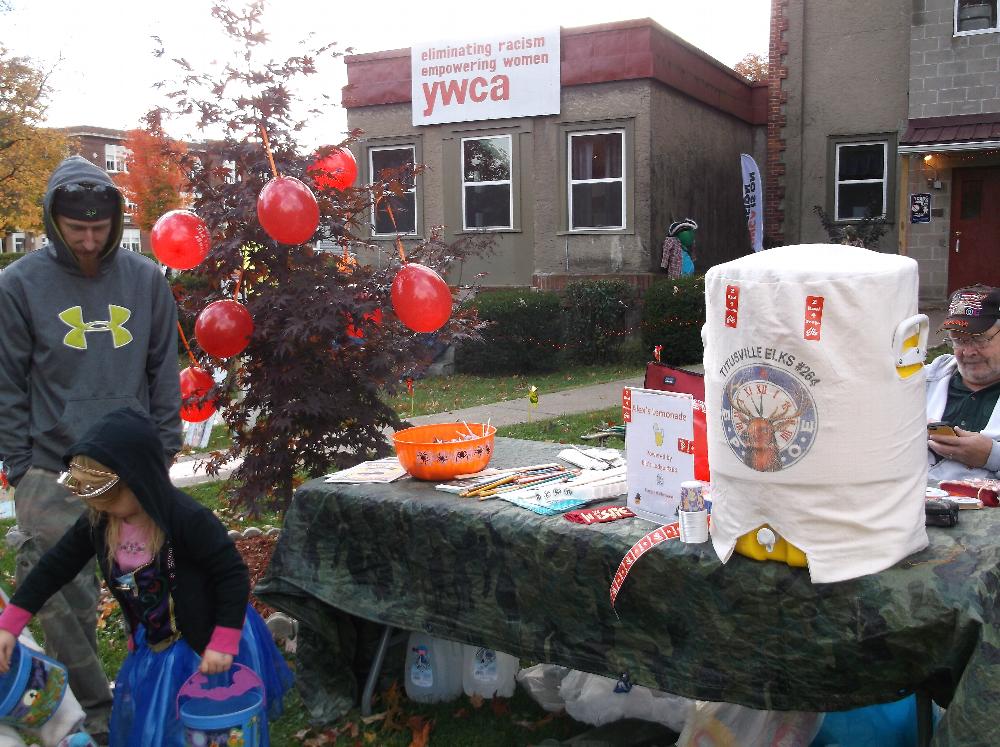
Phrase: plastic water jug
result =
(433, 669)
(488, 672)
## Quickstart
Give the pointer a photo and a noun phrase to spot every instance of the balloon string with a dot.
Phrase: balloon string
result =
(267, 149)
(239, 282)
(180, 330)
(399, 241)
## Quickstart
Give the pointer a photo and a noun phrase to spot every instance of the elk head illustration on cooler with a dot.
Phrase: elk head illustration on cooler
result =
(759, 432)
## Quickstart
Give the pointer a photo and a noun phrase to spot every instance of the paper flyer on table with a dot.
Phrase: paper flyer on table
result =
(659, 450)
(379, 470)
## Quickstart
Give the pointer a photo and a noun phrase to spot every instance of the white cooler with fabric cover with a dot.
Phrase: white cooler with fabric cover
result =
(812, 428)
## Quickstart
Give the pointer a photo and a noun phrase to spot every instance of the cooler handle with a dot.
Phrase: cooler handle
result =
(904, 352)
(244, 680)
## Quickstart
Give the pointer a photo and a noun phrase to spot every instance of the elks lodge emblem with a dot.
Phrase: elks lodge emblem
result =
(769, 417)
(78, 329)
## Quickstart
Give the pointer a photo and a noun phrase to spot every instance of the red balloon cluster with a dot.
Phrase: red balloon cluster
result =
(420, 297)
(195, 384)
(287, 210)
(337, 170)
(223, 328)
(180, 239)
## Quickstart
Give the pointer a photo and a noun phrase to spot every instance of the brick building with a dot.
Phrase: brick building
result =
(895, 105)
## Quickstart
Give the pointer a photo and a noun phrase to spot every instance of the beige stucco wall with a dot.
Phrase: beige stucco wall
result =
(695, 172)
(684, 152)
(847, 75)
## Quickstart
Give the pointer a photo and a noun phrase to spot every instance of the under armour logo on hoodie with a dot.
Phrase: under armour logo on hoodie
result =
(77, 335)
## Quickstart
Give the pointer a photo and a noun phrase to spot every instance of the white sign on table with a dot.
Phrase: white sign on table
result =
(485, 77)
(659, 450)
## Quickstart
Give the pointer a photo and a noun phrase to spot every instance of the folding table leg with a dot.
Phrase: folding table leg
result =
(375, 671)
(925, 719)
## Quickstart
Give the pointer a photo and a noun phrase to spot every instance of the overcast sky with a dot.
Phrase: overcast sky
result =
(106, 74)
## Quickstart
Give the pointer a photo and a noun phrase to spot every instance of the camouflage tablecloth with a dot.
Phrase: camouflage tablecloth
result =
(747, 632)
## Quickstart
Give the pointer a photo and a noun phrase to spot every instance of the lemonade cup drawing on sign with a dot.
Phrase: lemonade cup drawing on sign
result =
(658, 435)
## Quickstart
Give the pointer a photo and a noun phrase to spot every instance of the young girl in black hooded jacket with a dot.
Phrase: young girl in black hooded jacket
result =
(170, 564)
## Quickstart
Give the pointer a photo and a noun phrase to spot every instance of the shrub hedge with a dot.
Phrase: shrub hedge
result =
(7, 257)
(673, 314)
(598, 319)
(522, 334)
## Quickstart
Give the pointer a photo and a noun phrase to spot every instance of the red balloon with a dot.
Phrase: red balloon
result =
(223, 328)
(180, 239)
(374, 317)
(195, 384)
(338, 170)
(421, 298)
(287, 210)
(701, 471)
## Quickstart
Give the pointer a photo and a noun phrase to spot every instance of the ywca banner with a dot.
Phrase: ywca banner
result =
(494, 77)
(753, 201)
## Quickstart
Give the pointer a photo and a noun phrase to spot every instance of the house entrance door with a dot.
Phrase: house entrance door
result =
(974, 242)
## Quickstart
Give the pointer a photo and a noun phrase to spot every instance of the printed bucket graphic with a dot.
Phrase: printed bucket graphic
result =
(227, 715)
(32, 689)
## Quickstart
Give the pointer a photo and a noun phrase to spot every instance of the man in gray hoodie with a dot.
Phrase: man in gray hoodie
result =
(87, 328)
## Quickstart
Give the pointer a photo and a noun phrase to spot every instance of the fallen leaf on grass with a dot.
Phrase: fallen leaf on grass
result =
(421, 731)
(393, 709)
(460, 713)
(368, 720)
(532, 725)
(500, 707)
(477, 700)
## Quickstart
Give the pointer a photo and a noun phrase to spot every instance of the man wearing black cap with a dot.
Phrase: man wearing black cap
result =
(88, 328)
(963, 389)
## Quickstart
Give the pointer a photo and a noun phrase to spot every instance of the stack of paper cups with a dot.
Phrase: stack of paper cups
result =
(692, 514)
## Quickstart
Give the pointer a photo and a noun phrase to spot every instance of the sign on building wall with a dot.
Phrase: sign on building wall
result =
(493, 77)
(920, 207)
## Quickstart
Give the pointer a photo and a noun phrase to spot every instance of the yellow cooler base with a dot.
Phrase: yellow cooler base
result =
(763, 543)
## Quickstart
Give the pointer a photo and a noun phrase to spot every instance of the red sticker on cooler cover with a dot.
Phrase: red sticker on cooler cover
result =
(627, 405)
(732, 305)
(814, 317)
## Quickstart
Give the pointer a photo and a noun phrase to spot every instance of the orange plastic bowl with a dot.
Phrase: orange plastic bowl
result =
(426, 460)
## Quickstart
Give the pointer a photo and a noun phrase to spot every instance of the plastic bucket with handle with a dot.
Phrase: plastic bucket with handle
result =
(222, 714)
(32, 689)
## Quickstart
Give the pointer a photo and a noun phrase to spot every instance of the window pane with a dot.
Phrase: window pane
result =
(859, 201)
(976, 15)
(394, 163)
(597, 205)
(861, 162)
(597, 156)
(486, 159)
(487, 206)
(403, 210)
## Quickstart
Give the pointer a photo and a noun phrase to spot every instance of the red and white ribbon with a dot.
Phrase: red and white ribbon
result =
(640, 548)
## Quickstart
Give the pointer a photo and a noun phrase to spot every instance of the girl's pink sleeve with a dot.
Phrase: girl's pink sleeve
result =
(14, 619)
(224, 640)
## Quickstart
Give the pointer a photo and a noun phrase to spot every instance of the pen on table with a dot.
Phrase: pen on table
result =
(490, 485)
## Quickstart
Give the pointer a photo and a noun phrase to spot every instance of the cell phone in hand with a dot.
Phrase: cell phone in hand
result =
(941, 429)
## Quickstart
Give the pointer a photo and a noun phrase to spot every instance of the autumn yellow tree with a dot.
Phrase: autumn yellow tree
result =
(753, 67)
(28, 151)
(154, 179)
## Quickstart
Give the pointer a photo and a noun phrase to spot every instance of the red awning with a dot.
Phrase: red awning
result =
(969, 128)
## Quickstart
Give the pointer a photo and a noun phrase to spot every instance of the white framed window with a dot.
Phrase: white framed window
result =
(114, 158)
(861, 182)
(596, 180)
(394, 214)
(975, 17)
(487, 194)
(230, 167)
(131, 240)
(18, 242)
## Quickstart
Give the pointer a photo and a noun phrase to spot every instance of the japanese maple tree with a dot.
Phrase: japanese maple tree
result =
(308, 393)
